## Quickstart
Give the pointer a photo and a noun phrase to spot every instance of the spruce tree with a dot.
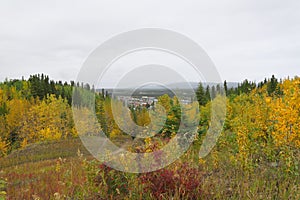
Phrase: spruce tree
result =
(200, 93)
(225, 88)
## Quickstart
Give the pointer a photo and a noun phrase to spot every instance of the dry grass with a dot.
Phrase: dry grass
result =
(56, 171)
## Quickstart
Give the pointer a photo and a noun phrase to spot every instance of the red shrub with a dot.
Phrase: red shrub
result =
(166, 182)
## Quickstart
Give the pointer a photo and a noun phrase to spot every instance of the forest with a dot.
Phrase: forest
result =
(256, 156)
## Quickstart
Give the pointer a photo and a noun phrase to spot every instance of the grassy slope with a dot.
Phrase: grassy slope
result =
(38, 171)
(43, 151)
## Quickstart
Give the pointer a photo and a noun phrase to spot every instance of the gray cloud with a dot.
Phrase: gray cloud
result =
(245, 39)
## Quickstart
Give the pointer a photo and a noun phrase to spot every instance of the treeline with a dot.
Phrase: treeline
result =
(41, 86)
(206, 94)
(37, 86)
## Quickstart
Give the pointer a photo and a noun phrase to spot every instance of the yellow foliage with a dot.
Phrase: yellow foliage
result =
(17, 112)
(47, 120)
(165, 102)
(143, 118)
(265, 124)
(115, 133)
(50, 134)
(3, 147)
(285, 115)
(24, 143)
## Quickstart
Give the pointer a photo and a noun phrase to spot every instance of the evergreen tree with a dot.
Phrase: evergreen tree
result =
(213, 92)
(272, 85)
(200, 93)
(207, 93)
(225, 88)
(218, 88)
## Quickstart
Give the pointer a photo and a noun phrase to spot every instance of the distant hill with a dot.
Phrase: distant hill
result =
(158, 90)
(195, 85)
(179, 85)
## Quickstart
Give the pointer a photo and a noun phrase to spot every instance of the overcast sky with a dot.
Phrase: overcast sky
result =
(249, 39)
